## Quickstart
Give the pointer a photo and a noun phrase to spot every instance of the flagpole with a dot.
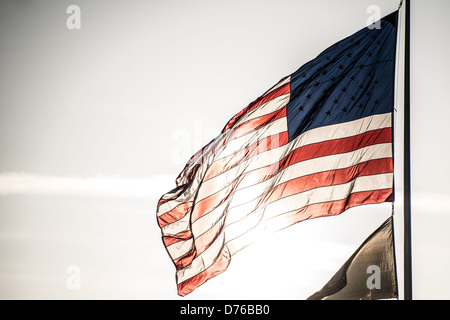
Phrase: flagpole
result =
(407, 163)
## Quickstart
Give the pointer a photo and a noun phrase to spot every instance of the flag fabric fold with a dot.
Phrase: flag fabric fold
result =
(316, 144)
(369, 274)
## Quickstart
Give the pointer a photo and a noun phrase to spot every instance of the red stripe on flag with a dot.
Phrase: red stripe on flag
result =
(284, 89)
(174, 215)
(184, 260)
(336, 146)
(328, 178)
(256, 148)
(206, 205)
(181, 236)
(255, 124)
(219, 266)
(337, 207)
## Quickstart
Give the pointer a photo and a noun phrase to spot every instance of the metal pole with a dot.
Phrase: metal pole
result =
(407, 163)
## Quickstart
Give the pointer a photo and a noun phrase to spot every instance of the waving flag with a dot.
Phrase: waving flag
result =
(317, 143)
(369, 274)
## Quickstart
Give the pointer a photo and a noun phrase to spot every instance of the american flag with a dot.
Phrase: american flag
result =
(316, 144)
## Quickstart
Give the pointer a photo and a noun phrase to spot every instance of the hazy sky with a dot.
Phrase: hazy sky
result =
(97, 122)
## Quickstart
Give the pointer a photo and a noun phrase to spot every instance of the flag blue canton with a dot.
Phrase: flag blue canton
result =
(350, 80)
